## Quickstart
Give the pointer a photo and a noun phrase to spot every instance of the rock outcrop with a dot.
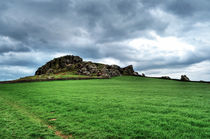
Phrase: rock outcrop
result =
(76, 65)
(143, 75)
(184, 78)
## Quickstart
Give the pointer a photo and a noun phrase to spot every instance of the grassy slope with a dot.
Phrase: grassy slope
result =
(116, 108)
(56, 76)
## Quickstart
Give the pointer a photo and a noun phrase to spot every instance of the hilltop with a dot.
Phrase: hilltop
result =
(76, 65)
(73, 67)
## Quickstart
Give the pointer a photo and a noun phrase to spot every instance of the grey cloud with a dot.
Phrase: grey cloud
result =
(183, 8)
(193, 9)
(96, 29)
(6, 48)
(18, 61)
(174, 62)
(104, 21)
(14, 72)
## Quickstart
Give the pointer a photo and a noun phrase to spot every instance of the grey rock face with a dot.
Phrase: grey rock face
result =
(75, 64)
(143, 75)
(184, 78)
(58, 63)
(128, 70)
(49, 71)
(136, 74)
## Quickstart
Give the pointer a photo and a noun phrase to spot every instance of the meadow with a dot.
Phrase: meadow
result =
(121, 107)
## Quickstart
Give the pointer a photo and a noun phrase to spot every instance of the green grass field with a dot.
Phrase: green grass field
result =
(121, 107)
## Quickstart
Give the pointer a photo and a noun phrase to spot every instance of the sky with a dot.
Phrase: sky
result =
(158, 37)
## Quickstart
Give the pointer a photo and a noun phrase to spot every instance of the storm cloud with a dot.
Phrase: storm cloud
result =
(157, 37)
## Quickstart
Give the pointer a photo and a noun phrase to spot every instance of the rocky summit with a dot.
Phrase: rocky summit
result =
(76, 65)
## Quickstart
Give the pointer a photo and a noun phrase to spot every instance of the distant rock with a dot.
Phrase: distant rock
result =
(136, 74)
(76, 65)
(128, 70)
(166, 77)
(184, 78)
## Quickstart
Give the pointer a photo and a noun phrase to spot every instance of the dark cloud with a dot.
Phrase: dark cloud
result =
(7, 48)
(106, 21)
(14, 72)
(103, 29)
(183, 8)
(193, 9)
(13, 59)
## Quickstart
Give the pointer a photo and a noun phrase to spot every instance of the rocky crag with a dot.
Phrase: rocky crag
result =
(76, 65)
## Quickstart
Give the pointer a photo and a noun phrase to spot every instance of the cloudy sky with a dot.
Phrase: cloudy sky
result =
(158, 37)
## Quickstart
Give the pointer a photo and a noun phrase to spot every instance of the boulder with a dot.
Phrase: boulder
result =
(116, 67)
(70, 67)
(92, 68)
(136, 74)
(114, 72)
(104, 71)
(50, 77)
(105, 75)
(86, 73)
(128, 70)
(49, 71)
(143, 75)
(184, 78)
(76, 59)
